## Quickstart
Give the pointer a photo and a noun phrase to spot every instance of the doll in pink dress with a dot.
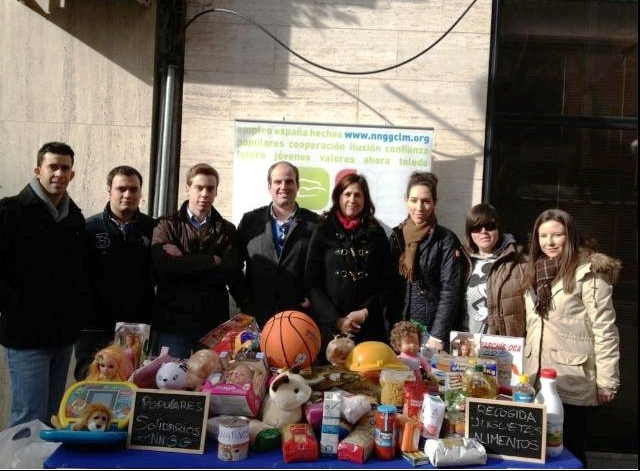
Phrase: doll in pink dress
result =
(405, 341)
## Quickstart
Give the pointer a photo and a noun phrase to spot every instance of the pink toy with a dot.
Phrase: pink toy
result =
(405, 340)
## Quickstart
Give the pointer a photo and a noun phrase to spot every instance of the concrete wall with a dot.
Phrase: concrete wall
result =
(79, 72)
(82, 73)
(233, 70)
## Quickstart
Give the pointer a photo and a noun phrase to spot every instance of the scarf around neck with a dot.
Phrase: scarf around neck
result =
(546, 271)
(348, 224)
(413, 234)
(59, 213)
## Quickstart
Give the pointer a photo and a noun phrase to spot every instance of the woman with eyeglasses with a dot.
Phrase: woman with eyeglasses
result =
(495, 277)
(428, 262)
(346, 273)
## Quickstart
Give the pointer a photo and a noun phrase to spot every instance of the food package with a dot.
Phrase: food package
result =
(392, 386)
(455, 452)
(330, 430)
(408, 433)
(313, 413)
(415, 458)
(432, 416)
(354, 407)
(357, 446)
(299, 443)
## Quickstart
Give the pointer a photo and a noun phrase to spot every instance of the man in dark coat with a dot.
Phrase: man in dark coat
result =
(274, 241)
(120, 267)
(43, 285)
(196, 256)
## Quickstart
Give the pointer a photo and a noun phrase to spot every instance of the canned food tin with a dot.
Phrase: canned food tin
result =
(233, 438)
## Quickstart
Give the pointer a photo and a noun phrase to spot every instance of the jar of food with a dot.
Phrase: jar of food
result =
(385, 432)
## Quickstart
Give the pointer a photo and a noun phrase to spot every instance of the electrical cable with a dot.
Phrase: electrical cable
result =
(329, 69)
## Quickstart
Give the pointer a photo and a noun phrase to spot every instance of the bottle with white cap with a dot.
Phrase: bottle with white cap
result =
(548, 395)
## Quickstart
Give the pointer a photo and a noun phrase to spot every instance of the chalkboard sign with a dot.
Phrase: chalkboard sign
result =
(168, 421)
(508, 430)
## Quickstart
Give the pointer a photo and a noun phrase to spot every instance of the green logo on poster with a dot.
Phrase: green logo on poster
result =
(313, 193)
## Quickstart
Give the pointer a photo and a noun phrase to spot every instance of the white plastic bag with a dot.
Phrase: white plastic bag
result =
(21, 446)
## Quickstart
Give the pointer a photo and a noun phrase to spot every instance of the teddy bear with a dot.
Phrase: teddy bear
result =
(96, 417)
(283, 405)
(172, 375)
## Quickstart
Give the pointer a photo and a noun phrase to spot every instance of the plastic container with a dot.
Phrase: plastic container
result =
(468, 373)
(523, 391)
(548, 395)
(425, 351)
(478, 385)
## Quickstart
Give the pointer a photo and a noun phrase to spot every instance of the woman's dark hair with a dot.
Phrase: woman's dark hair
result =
(568, 258)
(480, 215)
(427, 179)
(369, 209)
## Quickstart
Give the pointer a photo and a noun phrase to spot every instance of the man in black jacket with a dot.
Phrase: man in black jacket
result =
(274, 241)
(43, 285)
(120, 267)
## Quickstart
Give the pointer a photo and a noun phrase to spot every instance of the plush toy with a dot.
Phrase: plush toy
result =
(338, 349)
(96, 417)
(288, 393)
(172, 375)
(203, 365)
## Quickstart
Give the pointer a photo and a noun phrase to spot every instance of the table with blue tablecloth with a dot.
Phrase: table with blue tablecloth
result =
(112, 457)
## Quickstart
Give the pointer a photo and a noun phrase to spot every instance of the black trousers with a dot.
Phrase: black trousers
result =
(576, 420)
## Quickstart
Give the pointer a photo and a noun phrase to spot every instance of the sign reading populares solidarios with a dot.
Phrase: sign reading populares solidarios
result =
(323, 153)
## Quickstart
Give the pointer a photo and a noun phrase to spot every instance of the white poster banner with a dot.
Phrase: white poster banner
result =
(323, 153)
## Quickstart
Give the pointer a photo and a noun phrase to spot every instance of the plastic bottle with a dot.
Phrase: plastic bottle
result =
(523, 391)
(478, 385)
(468, 373)
(548, 395)
(425, 351)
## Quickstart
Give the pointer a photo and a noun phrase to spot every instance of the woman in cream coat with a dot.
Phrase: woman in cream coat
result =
(571, 321)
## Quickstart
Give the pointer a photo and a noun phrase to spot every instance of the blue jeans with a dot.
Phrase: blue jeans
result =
(180, 345)
(38, 382)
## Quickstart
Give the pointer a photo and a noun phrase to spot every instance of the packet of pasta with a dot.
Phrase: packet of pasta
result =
(392, 386)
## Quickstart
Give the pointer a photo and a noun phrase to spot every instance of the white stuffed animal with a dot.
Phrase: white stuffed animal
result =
(283, 405)
(172, 375)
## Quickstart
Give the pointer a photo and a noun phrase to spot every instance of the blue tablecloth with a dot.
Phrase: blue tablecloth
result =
(102, 457)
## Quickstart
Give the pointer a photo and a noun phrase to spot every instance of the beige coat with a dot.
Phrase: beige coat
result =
(579, 339)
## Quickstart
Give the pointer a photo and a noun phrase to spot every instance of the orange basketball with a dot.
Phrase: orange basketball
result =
(290, 338)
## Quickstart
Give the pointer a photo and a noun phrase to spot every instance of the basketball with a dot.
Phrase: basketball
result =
(290, 338)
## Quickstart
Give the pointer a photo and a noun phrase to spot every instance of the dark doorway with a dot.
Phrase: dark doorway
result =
(562, 132)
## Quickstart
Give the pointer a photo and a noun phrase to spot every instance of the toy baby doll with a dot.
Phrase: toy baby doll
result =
(338, 349)
(110, 364)
(240, 375)
(405, 340)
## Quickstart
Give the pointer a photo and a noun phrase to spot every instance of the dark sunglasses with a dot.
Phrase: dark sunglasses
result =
(490, 226)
